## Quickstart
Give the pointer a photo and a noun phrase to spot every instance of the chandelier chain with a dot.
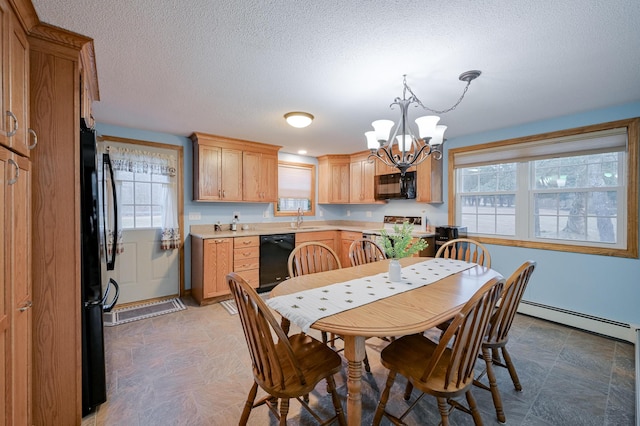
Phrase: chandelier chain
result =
(435, 111)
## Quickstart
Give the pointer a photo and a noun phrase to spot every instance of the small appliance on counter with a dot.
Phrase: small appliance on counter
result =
(419, 231)
(449, 232)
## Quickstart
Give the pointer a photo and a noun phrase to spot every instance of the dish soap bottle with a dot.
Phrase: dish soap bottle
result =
(234, 224)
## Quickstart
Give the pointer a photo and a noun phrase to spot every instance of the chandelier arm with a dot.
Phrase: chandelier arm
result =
(376, 154)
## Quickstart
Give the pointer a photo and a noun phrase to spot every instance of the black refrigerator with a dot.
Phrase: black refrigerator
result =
(94, 261)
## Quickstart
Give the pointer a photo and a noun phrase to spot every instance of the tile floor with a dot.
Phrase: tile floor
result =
(192, 368)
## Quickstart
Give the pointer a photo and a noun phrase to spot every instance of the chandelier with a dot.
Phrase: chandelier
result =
(396, 145)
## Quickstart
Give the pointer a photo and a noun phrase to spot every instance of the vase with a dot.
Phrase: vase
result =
(395, 274)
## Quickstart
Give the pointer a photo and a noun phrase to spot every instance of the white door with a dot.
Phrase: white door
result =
(143, 271)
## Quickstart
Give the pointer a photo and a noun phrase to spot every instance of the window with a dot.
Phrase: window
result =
(568, 190)
(143, 197)
(296, 189)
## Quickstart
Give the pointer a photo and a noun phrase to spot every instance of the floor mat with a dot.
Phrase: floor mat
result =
(230, 305)
(138, 312)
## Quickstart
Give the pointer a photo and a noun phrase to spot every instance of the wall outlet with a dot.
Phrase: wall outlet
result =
(348, 212)
(368, 214)
(265, 214)
(195, 216)
(321, 213)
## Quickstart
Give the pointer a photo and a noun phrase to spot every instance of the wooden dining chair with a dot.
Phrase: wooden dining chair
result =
(364, 250)
(445, 369)
(465, 249)
(498, 335)
(284, 366)
(312, 257)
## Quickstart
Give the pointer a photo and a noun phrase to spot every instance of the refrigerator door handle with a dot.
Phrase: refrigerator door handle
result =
(108, 307)
(106, 161)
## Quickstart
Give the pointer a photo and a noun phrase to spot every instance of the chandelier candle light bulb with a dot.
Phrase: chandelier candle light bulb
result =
(412, 150)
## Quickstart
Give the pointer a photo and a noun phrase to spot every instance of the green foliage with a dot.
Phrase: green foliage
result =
(400, 244)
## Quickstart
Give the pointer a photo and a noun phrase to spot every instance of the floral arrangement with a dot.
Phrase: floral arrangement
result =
(400, 243)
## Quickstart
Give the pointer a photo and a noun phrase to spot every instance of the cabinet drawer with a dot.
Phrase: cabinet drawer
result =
(243, 242)
(252, 277)
(244, 265)
(303, 237)
(241, 254)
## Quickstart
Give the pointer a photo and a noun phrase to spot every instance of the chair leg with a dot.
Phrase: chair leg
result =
(443, 407)
(331, 387)
(477, 420)
(512, 369)
(408, 390)
(493, 385)
(384, 398)
(249, 404)
(284, 410)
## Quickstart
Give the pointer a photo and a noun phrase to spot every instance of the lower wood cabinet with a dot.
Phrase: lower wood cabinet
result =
(330, 238)
(246, 259)
(346, 238)
(211, 261)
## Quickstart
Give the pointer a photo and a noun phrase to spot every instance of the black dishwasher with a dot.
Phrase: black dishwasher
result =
(274, 253)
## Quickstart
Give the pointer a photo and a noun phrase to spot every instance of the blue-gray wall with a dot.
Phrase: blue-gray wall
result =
(602, 286)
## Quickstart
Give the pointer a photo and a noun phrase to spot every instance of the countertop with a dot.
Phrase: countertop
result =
(207, 231)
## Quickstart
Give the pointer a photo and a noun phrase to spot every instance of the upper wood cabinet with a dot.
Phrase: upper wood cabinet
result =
(383, 169)
(362, 179)
(259, 177)
(333, 179)
(228, 169)
(429, 181)
(14, 128)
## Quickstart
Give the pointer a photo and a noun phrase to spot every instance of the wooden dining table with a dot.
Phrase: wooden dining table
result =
(410, 312)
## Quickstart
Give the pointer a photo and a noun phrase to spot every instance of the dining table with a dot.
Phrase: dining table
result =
(408, 312)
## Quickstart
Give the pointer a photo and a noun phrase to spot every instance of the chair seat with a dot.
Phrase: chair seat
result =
(409, 355)
(316, 360)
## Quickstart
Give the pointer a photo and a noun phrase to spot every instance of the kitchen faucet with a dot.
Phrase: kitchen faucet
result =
(299, 218)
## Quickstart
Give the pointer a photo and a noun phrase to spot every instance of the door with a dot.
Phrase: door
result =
(143, 269)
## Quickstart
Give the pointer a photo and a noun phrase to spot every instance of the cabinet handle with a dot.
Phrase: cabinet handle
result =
(224, 193)
(15, 123)
(246, 242)
(219, 241)
(220, 193)
(26, 306)
(15, 178)
(35, 139)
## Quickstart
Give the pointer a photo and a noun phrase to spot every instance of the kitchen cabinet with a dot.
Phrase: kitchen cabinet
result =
(330, 238)
(346, 238)
(383, 169)
(429, 181)
(333, 179)
(16, 289)
(14, 128)
(246, 259)
(362, 180)
(260, 177)
(55, 57)
(219, 169)
(211, 261)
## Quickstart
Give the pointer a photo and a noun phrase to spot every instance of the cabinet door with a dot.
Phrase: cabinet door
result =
(355, 188)
(5, 14)
(207, 184)
(368, 181)
(5, 293)
(340, 183)
(18, 97)
(231, 162)
(21, 295)
(251, 187)
(218, 262)
(429, 181)
(269, 178)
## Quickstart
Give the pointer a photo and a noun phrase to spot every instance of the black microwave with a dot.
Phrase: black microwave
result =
(395, 186)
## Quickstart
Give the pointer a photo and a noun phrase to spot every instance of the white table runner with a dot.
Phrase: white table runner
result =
(306, 307)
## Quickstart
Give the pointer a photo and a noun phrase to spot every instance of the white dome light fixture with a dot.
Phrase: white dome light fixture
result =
(410, 149)
(298, 119)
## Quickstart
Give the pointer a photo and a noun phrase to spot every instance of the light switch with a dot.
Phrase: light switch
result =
(195, 216)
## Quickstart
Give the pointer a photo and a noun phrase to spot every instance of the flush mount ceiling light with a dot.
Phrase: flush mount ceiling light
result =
(298, 119)
(411, 150)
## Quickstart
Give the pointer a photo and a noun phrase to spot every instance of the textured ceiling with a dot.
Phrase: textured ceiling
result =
(234, 67)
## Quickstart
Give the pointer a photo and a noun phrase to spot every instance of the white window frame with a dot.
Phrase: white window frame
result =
(523, 151)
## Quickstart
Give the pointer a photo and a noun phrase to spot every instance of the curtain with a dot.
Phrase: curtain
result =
(152, 163)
